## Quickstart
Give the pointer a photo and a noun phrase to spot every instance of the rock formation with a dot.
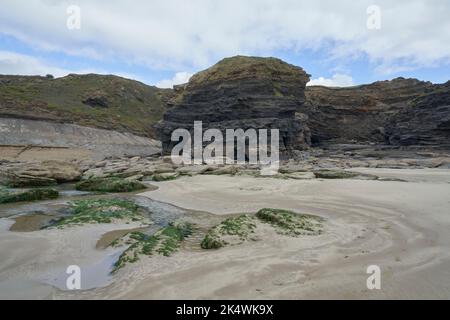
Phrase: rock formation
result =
(425, 121)
(398, 112)
(242, 92)
(360, 113)
(239, 92)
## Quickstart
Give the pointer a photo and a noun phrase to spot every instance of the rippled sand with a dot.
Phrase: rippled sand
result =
(400, 226)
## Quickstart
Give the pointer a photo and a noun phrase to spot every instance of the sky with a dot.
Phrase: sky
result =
(162, 43)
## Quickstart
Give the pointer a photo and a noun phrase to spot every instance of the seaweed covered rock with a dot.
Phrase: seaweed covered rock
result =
(7, 196)
(231, 231)
(110, 185)
(101, 211)
(165, 242)
(289, 223)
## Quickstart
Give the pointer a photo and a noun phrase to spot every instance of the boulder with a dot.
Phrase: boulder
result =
(24, 174)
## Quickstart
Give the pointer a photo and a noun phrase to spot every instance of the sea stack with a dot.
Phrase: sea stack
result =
(242, 93)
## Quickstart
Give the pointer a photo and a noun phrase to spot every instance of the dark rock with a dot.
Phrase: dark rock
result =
(242, 92)
(359, 114)
(28, 195)
(109, 185)
(425, 121)
(96, 99)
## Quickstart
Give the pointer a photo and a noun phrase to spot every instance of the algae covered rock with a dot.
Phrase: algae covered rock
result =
(231, 231)
(7, 196)
(290, 223)
(335, 174)
(164, 242)
(101, 211)
(110, 185)
(166, 176)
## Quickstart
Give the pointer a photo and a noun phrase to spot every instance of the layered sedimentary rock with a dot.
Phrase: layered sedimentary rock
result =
(361, 113)
(242, 92)
(397, 112)
(99, 143)
(425, 121)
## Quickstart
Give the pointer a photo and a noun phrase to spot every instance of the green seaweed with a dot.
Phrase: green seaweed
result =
(100, 211)
(290, 223)
(27, 195)
(164, 242)
(241, 227)
(113, 184)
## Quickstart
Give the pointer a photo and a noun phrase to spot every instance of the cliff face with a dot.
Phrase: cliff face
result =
(106, 102)
(366, 113)
(425, 121)
(242, 92)
(398, 112)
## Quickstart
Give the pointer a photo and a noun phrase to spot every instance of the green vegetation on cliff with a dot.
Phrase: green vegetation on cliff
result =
(102, 101)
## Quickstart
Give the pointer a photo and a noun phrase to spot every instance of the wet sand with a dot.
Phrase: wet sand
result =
(33, 264)
(400, 226)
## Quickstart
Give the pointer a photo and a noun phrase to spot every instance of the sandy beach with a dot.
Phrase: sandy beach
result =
(400, 226)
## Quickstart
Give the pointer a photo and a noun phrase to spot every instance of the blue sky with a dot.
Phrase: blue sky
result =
(339, 43)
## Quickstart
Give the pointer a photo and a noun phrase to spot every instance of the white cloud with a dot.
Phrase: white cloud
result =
(13, 63)
(181, 35)
(337, 80)
(178, 78)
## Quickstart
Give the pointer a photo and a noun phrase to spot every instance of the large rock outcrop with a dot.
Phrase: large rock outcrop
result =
(242, 92)
(361, 113)
(425, 121)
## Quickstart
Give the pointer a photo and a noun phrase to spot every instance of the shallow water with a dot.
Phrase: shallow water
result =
(34, 216)
(96, 275)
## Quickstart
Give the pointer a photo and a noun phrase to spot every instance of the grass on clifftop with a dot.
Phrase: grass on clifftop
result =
(7, 196)
(100, 211)
(244, 66)
(164, 242)
(110, 185)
